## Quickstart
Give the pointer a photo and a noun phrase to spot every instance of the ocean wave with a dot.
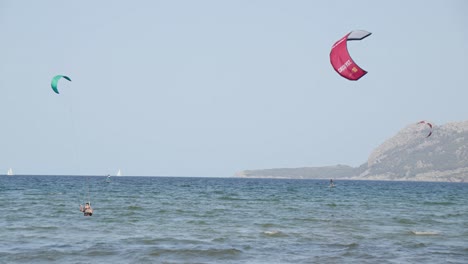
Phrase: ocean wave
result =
(351, 245)
(160, 240)
(32, 228)
(197, 222)
(274, 233)
(405, 221)
(438, 203)
(230, 198)
(192, 252)
(135, 208)
(425, 233)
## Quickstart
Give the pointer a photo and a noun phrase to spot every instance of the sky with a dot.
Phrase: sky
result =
(209, 88)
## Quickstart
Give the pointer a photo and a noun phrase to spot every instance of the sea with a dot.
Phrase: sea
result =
(231, 220)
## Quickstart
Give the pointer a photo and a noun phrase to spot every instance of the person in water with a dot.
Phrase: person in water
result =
(87, 210)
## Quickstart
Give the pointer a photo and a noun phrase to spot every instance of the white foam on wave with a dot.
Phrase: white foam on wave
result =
(425, 233)
(274, 233)
(271, 233)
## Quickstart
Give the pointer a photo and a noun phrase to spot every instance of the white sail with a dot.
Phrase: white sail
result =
(119, 173)
(10, 172)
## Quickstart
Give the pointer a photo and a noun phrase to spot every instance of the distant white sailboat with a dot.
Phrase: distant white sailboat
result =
(10, 172)
(119, 173)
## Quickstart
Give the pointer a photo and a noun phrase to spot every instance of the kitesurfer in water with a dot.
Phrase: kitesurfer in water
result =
(87, 210)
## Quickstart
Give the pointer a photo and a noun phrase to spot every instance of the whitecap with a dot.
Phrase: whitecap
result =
(425, 233)
(274, 233)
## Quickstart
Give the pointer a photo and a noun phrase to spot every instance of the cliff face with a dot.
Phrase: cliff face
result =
(409, 155)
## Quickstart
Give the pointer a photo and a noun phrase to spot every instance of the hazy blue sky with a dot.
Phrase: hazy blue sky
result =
(208, 88)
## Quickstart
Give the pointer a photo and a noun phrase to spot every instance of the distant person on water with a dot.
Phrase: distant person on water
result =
(87, 210)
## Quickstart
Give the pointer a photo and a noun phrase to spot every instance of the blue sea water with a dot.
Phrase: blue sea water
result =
(231, 220)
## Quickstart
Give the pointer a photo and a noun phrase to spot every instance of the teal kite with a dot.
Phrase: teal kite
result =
(55, 82)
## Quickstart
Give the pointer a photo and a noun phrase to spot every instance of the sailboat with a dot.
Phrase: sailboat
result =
(10, 172)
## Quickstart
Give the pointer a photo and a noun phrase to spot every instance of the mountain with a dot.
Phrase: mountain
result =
(408, 156)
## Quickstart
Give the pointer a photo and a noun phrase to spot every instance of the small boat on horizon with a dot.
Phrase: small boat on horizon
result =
(10, 172)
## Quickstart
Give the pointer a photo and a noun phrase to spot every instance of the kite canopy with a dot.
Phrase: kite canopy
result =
(55, 82)
(341, 60)
(429, 125)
